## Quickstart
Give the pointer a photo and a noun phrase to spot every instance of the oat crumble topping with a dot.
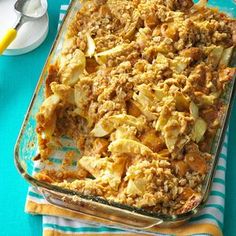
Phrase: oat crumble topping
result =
(137, 86)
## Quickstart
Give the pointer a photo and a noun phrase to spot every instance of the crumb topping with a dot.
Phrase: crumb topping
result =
(137, 86)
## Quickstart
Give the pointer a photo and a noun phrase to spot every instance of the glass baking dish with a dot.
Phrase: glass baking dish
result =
(95, 208)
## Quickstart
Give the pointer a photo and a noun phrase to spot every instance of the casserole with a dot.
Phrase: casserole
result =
(139, 218)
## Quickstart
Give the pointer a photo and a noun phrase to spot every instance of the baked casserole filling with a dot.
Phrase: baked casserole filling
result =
(138, 87)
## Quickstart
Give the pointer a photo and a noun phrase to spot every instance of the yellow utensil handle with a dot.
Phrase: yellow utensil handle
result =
(7, 39)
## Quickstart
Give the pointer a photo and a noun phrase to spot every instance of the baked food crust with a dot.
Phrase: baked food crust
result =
(137, 86)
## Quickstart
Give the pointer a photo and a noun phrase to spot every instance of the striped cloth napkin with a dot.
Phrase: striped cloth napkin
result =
(62, 222)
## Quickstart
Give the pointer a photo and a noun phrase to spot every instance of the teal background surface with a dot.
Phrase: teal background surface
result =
(18, 78)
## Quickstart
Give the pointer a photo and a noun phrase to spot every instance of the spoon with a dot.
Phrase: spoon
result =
(26, 10)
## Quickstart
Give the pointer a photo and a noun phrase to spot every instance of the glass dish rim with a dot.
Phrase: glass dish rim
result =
(142, 212)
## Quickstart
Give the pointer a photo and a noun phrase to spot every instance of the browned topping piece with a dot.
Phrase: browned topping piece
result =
(133, 110)
(181, 168)
(100, 146)
(52, 77)
(187, 193)
(37, 157)
(152, 140)
(196, 162)
(194, 53)
(44, 177)
(91, 65)
(190, 203)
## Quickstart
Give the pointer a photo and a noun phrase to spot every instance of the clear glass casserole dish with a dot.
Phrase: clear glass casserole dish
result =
(114, 214)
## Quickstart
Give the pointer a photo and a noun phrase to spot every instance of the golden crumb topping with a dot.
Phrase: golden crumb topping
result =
(137, 86)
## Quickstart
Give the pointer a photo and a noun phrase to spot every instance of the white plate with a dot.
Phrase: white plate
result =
(29, 36)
